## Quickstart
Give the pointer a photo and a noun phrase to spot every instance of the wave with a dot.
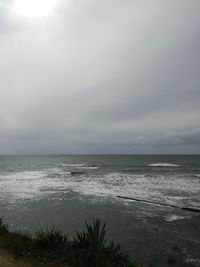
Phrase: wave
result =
(171, 189)
(166, 189)
(31, 184)
(26, 175)
(163, 165)
(88, 168)
(71, 165)
(79, 166)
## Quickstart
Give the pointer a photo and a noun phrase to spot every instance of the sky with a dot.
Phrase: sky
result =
(90, 77)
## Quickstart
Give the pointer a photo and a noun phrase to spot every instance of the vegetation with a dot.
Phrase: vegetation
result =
(3, 227)
(50, 238)
(92, 248)
(89, 248)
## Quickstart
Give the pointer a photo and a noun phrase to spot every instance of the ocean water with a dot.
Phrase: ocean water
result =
(36, 191)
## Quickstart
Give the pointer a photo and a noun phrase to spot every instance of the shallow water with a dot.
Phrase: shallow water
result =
(66, 190)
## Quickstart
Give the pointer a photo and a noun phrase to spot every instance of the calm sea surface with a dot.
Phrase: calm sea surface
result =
(36, 191)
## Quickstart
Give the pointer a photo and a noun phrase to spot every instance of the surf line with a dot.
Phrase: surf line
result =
(161, 204)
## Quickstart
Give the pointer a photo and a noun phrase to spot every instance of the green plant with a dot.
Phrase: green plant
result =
(94, 251)
(96, 234)
(50, 238)
(3, 227)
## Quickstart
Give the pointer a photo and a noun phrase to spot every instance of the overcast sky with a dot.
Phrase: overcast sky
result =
(109, 76)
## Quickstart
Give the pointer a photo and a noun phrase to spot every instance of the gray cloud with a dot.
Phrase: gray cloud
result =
(168, 139)
(96, 72)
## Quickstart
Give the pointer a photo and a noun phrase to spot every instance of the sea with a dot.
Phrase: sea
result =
(151, 203)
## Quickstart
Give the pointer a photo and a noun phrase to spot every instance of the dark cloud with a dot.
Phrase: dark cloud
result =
(96, 72)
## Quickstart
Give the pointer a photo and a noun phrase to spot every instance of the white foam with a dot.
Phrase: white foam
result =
(163, 165)
(71, 165)
(26, 175)
(180, 191)
(172, 190)
(174, 217)
(30, 184)
(161, 188)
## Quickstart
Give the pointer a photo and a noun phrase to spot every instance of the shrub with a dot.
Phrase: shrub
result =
(3, 227)
(51, 238)
(96, 235)
(93, 251)
(88, 249)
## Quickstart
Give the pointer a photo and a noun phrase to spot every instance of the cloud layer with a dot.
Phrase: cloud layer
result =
(101, 77)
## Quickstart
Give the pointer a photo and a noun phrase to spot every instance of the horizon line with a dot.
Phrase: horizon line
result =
(103, 154)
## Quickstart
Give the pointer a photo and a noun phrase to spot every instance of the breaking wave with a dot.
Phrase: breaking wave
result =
(71, 165)
(40, 184)
(163, 165)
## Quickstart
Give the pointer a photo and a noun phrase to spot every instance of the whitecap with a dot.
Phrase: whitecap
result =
(163, 165)
(71, 165)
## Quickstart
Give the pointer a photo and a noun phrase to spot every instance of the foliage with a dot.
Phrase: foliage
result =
(89, 248)
(50, 238)
(94, 251)
(96, 234)
(93, 238)
(3, 227)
